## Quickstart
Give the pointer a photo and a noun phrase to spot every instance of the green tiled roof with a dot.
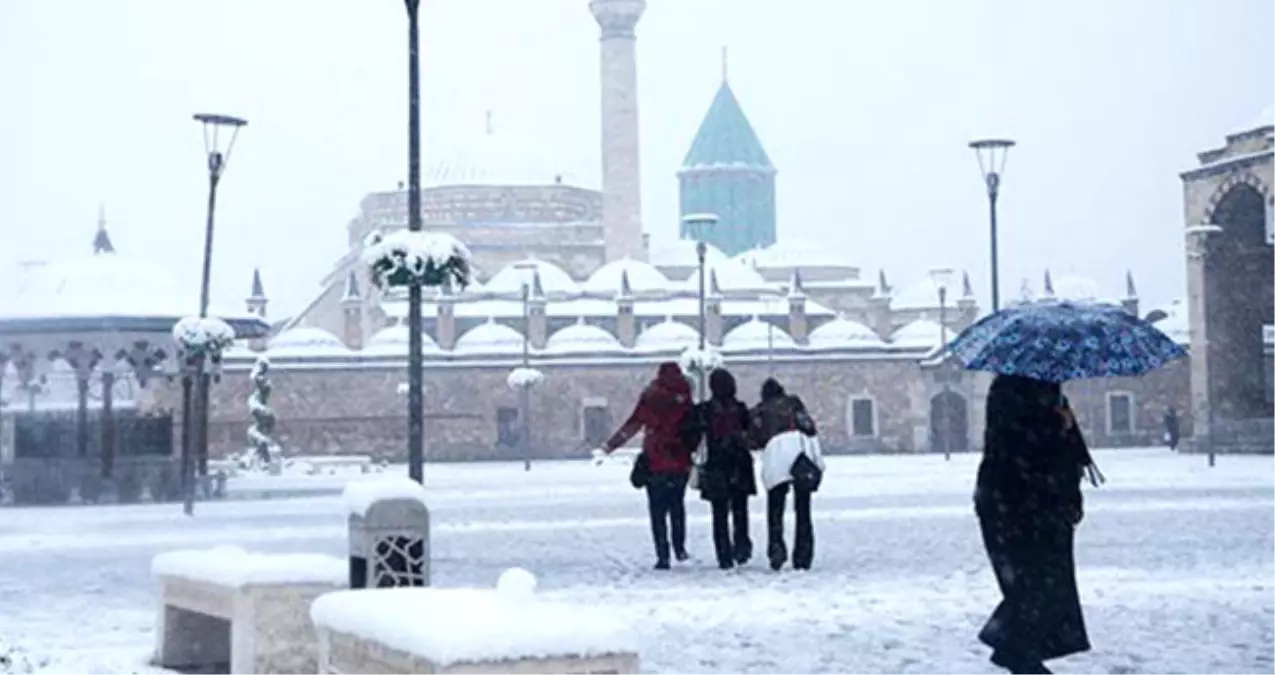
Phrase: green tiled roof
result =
(725, 137)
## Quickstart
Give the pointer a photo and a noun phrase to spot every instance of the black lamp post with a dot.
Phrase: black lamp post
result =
(698, 223)
(415, 360)
(942, 279)
(524, 392)
(217, 160)
(992, 168)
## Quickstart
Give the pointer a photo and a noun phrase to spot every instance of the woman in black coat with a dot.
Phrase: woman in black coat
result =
(727, 479)
(1029, 503)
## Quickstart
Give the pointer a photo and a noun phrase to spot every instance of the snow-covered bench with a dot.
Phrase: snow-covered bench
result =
(321, 463)
(226, 607)
(461, 630)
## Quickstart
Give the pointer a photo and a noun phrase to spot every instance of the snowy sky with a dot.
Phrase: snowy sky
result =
(864, 107)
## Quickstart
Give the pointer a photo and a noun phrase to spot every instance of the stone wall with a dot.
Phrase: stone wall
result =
(357, 408)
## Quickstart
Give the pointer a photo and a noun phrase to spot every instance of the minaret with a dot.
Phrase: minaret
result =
(102, 240)
(256, 301)
(621, 169)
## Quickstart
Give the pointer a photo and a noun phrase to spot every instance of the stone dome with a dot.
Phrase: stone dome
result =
(842, 333)
(924, 294)
(582, 338)
(668, 335)
(499, 159)
(490, 338)
(920, 333)
(306, 341)
(643, 277)
(757, 335)
(1075, 287)
(552, 278)
(681, 253)
(393, 341)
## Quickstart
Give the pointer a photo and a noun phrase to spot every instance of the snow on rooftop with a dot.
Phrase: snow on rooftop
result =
(667, 335)
(681, 253)
(500, 158)
(756, 334)
(307, 341)
(392, 341)
(796, 253)
(490, 338)
(582, 337)
(233, 566)
(731, 276)
(643, 277)
(467, 625)
(511, 279)
(920, 333)
(359, 495)
(924, 294)
(841, 333)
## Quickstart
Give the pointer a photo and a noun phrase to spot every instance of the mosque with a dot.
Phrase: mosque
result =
(566, 270)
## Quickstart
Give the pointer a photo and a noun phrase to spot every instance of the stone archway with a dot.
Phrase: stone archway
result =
(949, 423)
(1240, 300)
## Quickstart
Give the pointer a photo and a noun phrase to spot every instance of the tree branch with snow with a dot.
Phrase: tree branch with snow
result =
(405, 258)
(524, 378)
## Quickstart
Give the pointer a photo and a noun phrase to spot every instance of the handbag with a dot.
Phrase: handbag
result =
(806, 475)
(640, 475)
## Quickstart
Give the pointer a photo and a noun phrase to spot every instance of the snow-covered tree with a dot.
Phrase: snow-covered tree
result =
(266, 449)
(405, 258)
(524, 378)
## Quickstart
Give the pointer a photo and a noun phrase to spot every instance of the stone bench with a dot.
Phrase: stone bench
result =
(240, 612)
(460, 630)
(321, 463)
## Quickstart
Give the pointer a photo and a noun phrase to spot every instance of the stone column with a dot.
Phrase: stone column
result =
(1197, 307)
(621, 171)
(83, 360)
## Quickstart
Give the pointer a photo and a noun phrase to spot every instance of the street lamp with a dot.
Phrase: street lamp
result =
(942, 278)
(697, 223)
(528, 270)
(217, 159)
(415, 359)
(986, 150)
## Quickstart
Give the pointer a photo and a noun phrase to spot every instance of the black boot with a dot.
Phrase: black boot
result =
(1019, 665)
(681, 555)
(661, 564)
(778, 554)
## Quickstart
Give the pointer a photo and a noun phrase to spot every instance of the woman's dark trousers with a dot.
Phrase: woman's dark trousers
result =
(739, 547)
(803, 552)
(666, 504)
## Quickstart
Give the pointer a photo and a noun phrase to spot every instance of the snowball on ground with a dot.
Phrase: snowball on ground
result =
(233, 566)
(516, 583)
(359, 495)
(459, 625)
(695, 360)
(520, 378)
(193, 331)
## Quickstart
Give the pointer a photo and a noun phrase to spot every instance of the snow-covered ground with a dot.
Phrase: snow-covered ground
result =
(1176, 566)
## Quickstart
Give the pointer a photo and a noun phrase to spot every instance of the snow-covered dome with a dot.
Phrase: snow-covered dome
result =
(1075, 287)
(307, 341)
(490, 338)
(1176, 324)
(681, 253)
(552, 278)
(731, 276)
(667, 335)
(793, 253)
(757, 334)
(841, 333)
(643, 277)
(920, 333)
(393, 341)
(499, 158)
(105, 284)
(924, 294)
(582, 338)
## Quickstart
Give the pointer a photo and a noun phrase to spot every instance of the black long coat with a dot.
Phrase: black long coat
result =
(1028, 502)
(723, 424)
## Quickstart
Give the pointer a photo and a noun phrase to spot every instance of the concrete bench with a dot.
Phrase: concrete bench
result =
(322, 463)
(240, 612)
(460, 630)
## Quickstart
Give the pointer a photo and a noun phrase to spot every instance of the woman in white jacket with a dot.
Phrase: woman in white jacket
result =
(791, 456)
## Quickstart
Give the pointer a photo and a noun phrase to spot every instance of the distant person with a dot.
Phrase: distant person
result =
(727, 479)
(1172, 428)
(1029, 504)
(665, 462)
(791, 456)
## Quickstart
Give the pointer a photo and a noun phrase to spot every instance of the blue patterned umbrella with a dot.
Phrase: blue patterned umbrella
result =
(1060, 341)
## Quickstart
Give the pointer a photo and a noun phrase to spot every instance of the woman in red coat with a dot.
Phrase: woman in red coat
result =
(661, 414)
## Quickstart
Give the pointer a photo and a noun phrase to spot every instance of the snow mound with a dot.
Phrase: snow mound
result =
(359, 495)
(516, 583)
(459, 625)
(235, 567)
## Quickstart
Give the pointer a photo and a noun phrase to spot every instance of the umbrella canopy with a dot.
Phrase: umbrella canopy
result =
(1061, 341)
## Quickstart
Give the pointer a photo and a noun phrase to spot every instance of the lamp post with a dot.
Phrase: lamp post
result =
(986, 150)
(942, 279)
(697, 223)
(198, 402)
(524, 393)
(415, 360)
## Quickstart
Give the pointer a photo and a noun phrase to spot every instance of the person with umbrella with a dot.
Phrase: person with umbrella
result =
(1027, 497)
